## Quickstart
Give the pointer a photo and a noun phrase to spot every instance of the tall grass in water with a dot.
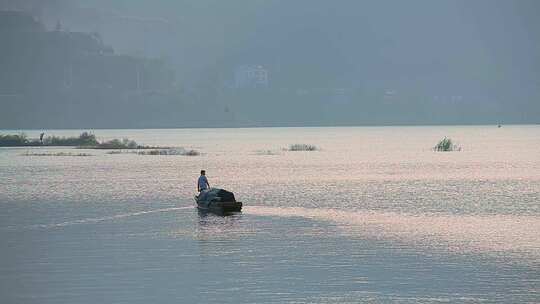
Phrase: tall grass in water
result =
(303, 147)
(446, 145)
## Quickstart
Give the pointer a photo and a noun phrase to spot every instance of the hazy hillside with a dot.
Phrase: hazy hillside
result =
(324, 63)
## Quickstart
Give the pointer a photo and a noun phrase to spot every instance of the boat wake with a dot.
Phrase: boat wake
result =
(502, 235)
(105, 218)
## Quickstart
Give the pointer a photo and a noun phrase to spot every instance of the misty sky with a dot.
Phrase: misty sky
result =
(482, 50)
(487, 33)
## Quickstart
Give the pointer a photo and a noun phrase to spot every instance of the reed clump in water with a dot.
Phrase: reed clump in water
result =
(303, 147)
(446, 145)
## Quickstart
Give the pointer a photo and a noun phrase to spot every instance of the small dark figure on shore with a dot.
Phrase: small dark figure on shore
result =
(41, 137)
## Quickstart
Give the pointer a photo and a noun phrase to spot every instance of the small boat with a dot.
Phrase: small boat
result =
(217, 201)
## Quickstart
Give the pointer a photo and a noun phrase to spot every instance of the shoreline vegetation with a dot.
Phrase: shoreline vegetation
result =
(84, 141)
(160, 151)
(56, 154)
(88, 140)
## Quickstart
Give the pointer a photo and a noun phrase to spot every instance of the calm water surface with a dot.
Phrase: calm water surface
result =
(374, 216)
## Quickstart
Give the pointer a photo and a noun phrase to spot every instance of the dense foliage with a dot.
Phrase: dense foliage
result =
(16, 140)
(85, 140)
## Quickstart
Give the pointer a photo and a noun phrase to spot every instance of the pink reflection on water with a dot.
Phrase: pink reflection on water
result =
(508, 234)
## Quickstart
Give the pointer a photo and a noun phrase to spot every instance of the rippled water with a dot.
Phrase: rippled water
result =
(374, 216)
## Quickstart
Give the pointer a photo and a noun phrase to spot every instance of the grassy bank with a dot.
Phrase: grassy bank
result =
(17, 140)
(22, 140)
(85, 140)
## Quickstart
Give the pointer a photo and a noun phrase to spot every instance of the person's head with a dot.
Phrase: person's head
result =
(203, 172)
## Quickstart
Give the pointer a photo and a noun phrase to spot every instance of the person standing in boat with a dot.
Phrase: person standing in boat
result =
(202, 183)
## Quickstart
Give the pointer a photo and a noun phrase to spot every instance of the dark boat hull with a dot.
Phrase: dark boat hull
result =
(219, 207)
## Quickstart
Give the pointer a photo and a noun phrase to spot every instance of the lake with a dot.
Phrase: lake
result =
(375, 215)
